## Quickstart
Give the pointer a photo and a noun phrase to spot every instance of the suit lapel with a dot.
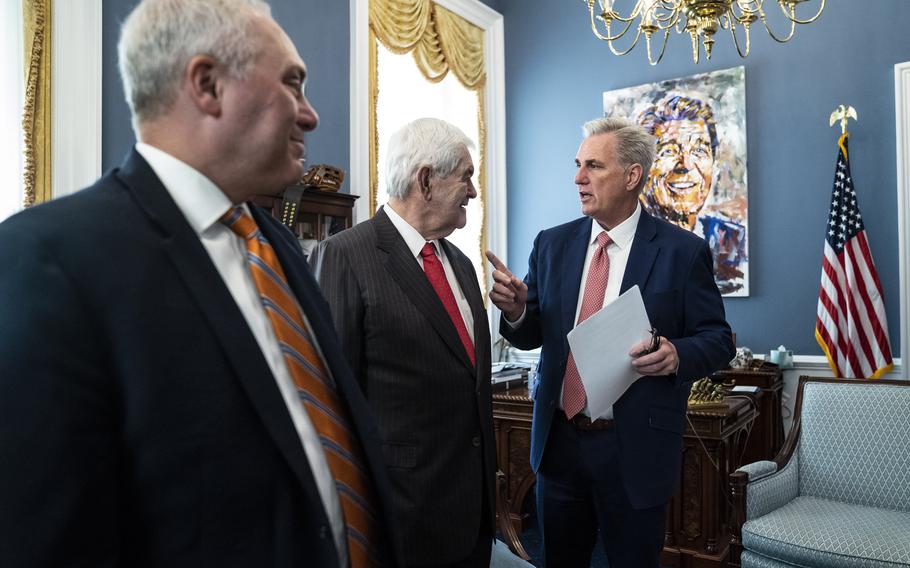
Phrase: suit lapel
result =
(191, 261)
(406, 272)
(641, 257)
(572, 266)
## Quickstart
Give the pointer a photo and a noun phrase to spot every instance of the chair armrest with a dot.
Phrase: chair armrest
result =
(772, 490)
(759, 469)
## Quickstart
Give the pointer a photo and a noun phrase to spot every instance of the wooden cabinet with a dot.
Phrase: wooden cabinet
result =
(512, 411)
(321, 214)
(698, 517)
(767, 435)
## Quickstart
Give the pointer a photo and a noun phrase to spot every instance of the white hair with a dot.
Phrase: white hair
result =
(159, 37)
(633, 143)
(423, 142)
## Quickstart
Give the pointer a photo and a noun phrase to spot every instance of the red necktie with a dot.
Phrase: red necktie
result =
(573, 391)
(437, 276)
(317, 392)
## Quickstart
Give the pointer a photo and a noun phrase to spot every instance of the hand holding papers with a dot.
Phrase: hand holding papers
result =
(601, 344)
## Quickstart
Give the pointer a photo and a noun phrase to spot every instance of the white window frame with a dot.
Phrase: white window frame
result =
(902, 131)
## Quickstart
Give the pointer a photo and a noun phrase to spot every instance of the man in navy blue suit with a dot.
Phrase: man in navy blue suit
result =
(151, 416)
(614, 473)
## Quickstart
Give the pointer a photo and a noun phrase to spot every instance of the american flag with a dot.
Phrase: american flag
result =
(850, 326)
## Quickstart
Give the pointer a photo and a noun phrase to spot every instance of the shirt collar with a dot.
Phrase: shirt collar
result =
(412, 237)
(621, 234)
(197, 197)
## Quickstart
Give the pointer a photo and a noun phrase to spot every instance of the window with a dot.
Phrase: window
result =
(12, 96)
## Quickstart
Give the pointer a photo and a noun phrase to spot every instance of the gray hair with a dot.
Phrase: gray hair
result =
(633, 143)
(423, 142)
(159, 38)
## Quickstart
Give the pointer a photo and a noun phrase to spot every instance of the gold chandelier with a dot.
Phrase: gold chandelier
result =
(699, 18)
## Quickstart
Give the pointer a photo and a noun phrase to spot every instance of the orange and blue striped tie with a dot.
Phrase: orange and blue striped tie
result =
(317, 392)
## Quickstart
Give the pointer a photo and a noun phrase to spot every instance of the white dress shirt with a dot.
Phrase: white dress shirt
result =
(202, 204)
(415, 243)
(622, 236)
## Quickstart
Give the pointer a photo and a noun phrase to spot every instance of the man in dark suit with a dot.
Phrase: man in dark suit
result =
(616, 473)
(411, 318)
(151, 408)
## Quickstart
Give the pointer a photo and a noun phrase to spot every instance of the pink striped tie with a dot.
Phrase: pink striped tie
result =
(573, 391)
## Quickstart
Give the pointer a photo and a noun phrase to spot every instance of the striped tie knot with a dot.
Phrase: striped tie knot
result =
(239, 221)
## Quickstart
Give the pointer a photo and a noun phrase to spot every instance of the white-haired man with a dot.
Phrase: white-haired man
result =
(172, 390)
(410, 316)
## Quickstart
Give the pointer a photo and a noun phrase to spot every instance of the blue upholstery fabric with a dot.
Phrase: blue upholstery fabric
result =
(759, 469)
(818, 532)
(772, 491)
(855, 444)
(752, 560)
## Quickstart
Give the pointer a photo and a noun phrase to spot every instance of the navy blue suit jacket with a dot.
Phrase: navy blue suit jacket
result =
(141, 423)
(673, 269)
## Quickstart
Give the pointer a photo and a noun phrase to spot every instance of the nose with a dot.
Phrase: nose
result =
(307, 118)
(581, 177)
(472, 191)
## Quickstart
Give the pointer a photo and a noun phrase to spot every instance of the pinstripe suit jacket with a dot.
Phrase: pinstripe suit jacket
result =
(434, 410)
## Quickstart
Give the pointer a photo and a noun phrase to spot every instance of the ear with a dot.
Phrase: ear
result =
(423, 181)
(633, 176)
(203, 81)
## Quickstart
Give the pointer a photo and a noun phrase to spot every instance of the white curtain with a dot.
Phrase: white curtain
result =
(12, 79)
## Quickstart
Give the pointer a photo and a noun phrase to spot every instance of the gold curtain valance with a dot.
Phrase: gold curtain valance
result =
(438, 39)
(36, 116)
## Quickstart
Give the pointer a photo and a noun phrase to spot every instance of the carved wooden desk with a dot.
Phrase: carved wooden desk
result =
(698, 515)
(767, 435)
(698, 518)
(512, 411)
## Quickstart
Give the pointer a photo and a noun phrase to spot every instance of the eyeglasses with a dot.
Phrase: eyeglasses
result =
(654, 345)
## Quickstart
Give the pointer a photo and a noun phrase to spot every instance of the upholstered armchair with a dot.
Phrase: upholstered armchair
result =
(838, 494)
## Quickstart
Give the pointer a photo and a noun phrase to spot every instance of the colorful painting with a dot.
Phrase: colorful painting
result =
(698, 179)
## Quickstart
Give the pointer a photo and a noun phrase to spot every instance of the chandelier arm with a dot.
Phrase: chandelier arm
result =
(608, 37)
(662, 49)
(631, 47)
(736, 41)
(771, 33)
(792, 15)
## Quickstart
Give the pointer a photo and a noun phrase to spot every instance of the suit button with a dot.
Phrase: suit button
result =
(323, 532)
(476, 441)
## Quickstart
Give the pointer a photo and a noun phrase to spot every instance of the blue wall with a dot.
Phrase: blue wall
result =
(555, 74)
(318, 28)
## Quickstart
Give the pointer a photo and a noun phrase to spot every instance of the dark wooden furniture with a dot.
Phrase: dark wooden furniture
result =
(512, 426)
(698, 517)
(324, 213)
(767, 435)
(698, 525)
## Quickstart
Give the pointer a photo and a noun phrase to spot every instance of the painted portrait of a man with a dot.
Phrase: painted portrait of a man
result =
(682, 177)
(698, 178)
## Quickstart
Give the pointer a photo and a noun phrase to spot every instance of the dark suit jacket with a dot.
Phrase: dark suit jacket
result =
(672, 267)
(141, 424)
(434, 409)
